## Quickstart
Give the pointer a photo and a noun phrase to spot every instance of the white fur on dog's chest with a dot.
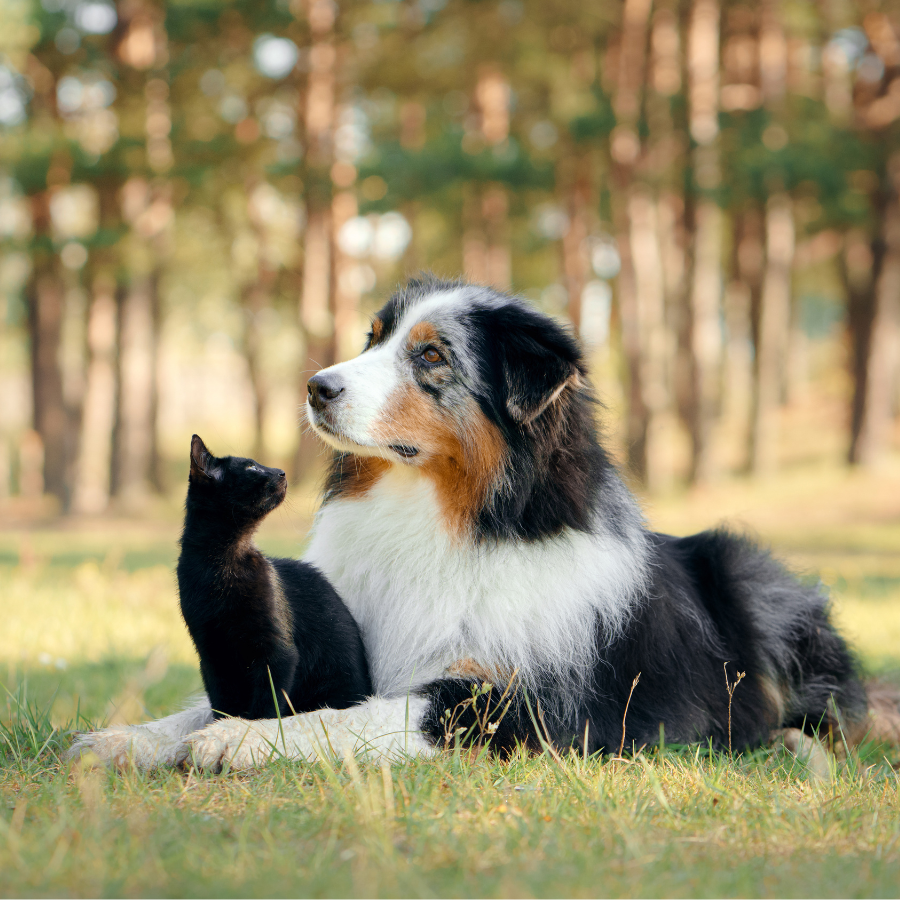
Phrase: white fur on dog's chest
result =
(424, 599)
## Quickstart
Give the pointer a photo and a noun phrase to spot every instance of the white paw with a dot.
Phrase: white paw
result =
(121, 746)
(237, 743)
(808, 750)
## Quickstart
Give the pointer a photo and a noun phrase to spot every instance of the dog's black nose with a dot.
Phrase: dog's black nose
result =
(322, 389)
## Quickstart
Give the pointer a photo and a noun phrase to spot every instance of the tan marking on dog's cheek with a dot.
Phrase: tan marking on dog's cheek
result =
(377, 331)
(462, 458)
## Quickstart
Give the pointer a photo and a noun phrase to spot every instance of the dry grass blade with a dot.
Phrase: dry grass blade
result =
(634, 684)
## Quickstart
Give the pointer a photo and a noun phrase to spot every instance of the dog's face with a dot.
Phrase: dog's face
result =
(411, 390)
(451, 375)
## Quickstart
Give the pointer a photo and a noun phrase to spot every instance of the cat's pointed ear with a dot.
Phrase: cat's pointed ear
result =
(201, 460)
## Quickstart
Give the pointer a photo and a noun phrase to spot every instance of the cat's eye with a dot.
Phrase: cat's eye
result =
(252, 468)
(430, 355)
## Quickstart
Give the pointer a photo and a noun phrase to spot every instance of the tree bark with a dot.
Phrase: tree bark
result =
(92, 473)
(625, 149)
(575, 255)
(880, 370)
(137, 376)
(347, 293)
(45, 295)
(316, 300)
(653, 344)
(705, 292)
(742, 298)
(774, 323)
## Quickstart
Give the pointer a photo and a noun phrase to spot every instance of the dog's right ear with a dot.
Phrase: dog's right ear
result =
(201, 460)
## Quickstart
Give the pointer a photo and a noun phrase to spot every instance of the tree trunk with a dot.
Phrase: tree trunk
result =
(705, 290)
(45, 294)
(92, 473)
(774, 323)
(255, 300)
(653, 344)
(347, 292)
(155, 462)
(576, 262)
(316, 300)
(474, 242)
(880, 370)
(495, 208)
(625, 150)
(137, 375)
(739, 324)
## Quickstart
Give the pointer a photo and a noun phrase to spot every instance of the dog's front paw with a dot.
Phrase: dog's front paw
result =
(125, 745)
(235, 743)
(110, 747)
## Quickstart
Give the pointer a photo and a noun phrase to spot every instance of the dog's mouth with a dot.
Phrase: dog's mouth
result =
(403, 450)
(327, 430)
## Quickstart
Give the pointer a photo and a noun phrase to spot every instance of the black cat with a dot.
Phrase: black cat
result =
(250, 615)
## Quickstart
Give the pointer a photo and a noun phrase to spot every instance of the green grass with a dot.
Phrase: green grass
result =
(91, 631)
(674, 822)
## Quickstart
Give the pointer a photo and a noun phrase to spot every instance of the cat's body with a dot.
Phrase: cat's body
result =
(251, 616)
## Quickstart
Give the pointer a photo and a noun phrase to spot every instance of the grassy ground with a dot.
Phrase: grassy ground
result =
(91, 632)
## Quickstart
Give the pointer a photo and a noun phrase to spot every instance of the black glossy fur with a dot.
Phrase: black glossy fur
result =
(250, 615)
(710, 599)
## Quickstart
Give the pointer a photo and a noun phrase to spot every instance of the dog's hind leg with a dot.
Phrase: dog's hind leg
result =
(149, 745)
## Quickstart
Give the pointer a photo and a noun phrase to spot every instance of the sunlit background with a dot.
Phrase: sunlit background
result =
(204, 201)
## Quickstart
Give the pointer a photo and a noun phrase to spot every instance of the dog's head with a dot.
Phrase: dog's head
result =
(457, 381)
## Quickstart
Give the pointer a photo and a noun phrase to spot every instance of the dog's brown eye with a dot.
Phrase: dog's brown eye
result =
(431, 356)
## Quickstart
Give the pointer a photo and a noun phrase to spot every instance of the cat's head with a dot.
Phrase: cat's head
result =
(241, 488)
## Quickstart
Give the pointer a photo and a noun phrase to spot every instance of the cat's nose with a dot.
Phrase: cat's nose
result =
(322, 389)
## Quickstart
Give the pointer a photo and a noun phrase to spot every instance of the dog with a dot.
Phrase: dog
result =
(505, 583)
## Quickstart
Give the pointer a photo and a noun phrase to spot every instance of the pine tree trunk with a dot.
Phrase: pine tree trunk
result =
(495, 209)
(316, 300)
(137, 376)
(705, 292)
(880, 370)
(576, 263)
(774, 323)
(653, 345)
(347, 294)
(45, 295)
(706, 335)
(92, 472)
(741, 298)
(255, 301)
(625, 149)
(45, 301)
(474, 242)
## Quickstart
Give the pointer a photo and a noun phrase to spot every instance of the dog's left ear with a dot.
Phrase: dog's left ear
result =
(540, 360)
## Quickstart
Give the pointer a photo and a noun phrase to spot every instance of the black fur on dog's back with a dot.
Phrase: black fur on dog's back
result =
(717, 606)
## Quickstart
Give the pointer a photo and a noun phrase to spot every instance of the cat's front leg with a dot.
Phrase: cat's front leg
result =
(149, 745)
(378, 728)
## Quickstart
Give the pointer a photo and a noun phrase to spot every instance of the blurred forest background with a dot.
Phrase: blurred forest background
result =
(203, 201)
